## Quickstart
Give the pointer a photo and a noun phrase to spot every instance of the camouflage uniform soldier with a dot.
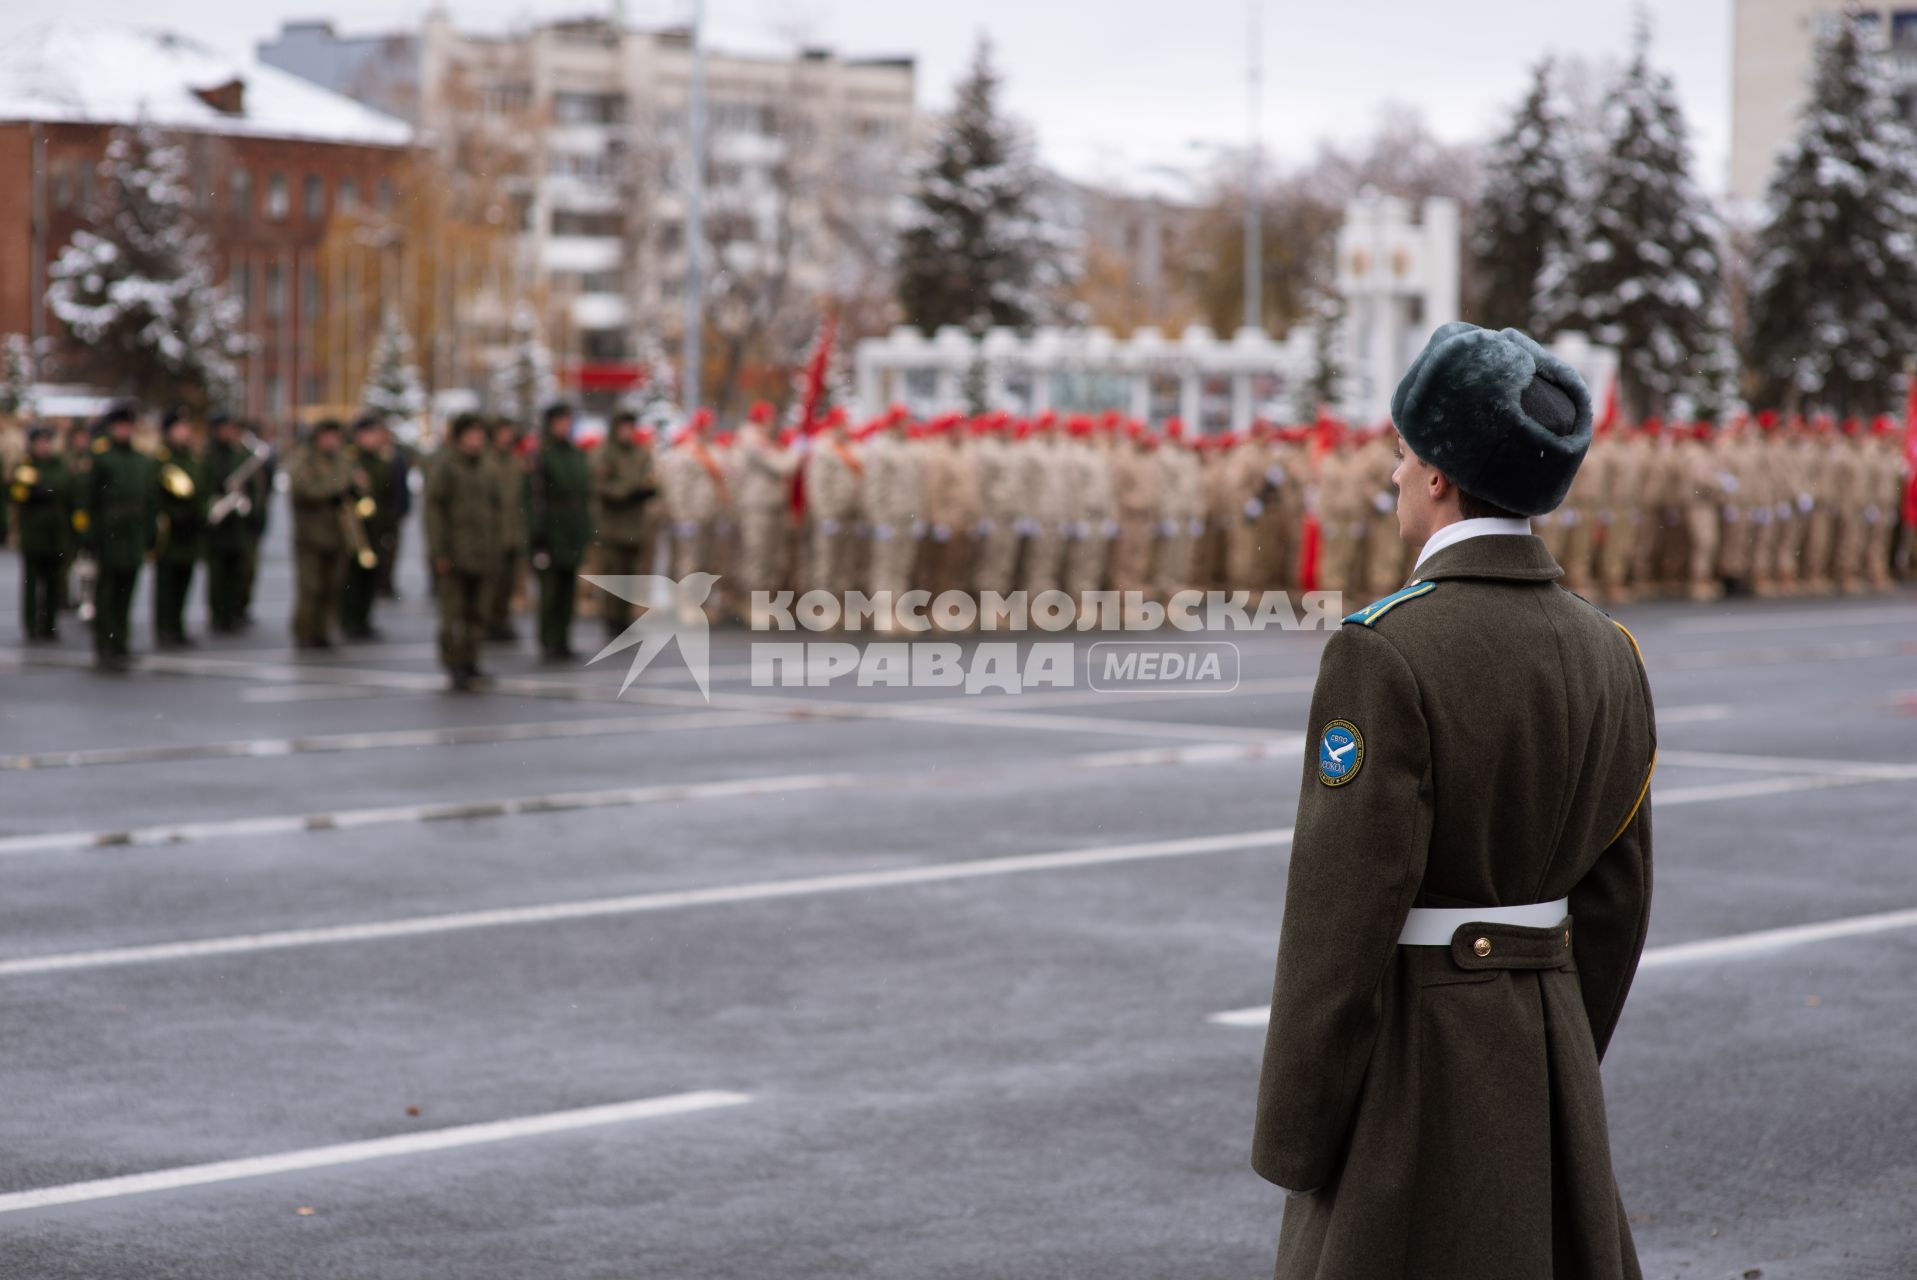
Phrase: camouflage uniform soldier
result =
(321, 478)
(40, 491)
(697, 495)
(953, 508)
(1884, 496)
(1001, 506)
(180, 495)
(558, 527)
(764, 503)
(1046, 508)
(379, 526)
(1090, 478)
(465, 510)
(1850, 493)
(833, 475)
(119, 526)
(893, 483)
(1136, 490)
(232, 496)
(623, 487)
(1707, 488)
(1245, 513)
(509, 473)
(1622, 510)
(1343, 506)
(1384, 556)
(1181, 511)
(1590, 490)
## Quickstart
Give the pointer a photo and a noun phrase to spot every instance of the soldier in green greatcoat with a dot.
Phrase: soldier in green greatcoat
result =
(509, 473)
(321, 479)
(558, 527)
(256, 524)
(119, 528)
(371, 453)
(465, 508)
(235, 485)
(41, 494)
(179, 492)
(623, 487)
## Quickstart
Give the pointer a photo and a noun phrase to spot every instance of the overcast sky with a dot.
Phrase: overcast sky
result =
(1115, 86)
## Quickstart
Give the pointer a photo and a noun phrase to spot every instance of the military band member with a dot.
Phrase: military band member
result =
(378, 532)
(180, 492)
(40, 491)
(119, 528)
(1470, 870)
(465, 521)
(321, 479)
(623, 487)
(509, 473)
(558, 527)
(236, 483)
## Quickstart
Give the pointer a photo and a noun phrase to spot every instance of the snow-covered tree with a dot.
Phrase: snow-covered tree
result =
(523, 382)
(1323, 388)
(136, 286)
(1833, 307)
(1642, 274)
(1526, 213)
(656, 398)
(978, 248)
(393, 387)
(16, 376)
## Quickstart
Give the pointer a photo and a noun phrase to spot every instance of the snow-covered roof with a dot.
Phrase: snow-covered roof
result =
(106, 73)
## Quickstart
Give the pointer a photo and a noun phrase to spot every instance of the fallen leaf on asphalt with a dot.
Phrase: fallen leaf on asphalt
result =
(305, 1211)
(412, 1111)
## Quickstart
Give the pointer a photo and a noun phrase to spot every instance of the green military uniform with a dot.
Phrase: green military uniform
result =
(558, 526)
(120, 527)
(622, 488)
(321, 485)
(256, 523)
(180, 541)
(465, 510)
(1481, 744)
(381, 524)
(230, 539)
(41, 492)
(509, 475)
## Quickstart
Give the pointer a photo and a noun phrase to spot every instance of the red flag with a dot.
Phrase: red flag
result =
(809, 402)
(1308, 556)
(1608, 418)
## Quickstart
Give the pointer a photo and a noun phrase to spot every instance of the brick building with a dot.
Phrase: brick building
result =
(274, 160)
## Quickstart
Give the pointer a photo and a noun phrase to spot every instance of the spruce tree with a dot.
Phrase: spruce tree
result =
(1642, 274)
(977, 249)
(136, 286)
(1323, 389)
(16, 376)
(523, 382)
(1525, 214)
(1833, 310)
(392, 383)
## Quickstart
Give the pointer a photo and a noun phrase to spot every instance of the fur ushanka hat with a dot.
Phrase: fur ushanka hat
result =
(1504, 419)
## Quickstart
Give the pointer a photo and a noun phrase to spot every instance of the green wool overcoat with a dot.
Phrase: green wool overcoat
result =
(558, 516)
(1437, 1112)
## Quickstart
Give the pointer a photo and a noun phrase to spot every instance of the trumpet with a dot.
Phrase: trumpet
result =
(86, 584)
(25, 476)
(175, 480)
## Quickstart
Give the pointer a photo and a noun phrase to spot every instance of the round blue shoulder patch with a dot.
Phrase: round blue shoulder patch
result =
(1341, 753)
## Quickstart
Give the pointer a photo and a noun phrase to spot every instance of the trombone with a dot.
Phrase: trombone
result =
(237, 500)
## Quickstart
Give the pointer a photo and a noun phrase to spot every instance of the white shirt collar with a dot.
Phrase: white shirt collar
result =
(1461, 530)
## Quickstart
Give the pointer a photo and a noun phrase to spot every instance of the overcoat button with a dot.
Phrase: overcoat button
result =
(1567, 937)
(1482, 946)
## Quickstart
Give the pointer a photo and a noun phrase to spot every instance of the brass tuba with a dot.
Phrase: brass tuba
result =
(353, 514)
(175, 480)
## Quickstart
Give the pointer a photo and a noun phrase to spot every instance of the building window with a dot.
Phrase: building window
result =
(275, 292)
(239, 191)
(309, 294)
(573, 222)
(588, 108)
(385, 195)
(62, 188)
(604, 344)
(315, 198)
(348, 195)
(275, 395)
(239, 284)
(310, 392)
(277, 199)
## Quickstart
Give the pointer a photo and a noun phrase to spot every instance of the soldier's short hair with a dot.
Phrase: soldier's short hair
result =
(1471, 508)
(467, 422)
(219, 418)
(625, 418)
(116, 414)
(554, 412)
(323, 427)
(368, 420)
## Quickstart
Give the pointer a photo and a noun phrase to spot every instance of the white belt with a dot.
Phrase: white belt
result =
(1433, 926)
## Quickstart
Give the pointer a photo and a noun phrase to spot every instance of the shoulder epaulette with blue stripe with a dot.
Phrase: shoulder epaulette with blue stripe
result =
(1379, 608)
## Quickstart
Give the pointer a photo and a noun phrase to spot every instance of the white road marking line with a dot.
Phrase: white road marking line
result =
(1833, 619)
(402, 1144)
(1736, 946)
(1268, 745)
(635, 904)
(1860, 769)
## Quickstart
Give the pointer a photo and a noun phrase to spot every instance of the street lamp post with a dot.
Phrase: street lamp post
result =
(1254, 211)
(689, 379)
